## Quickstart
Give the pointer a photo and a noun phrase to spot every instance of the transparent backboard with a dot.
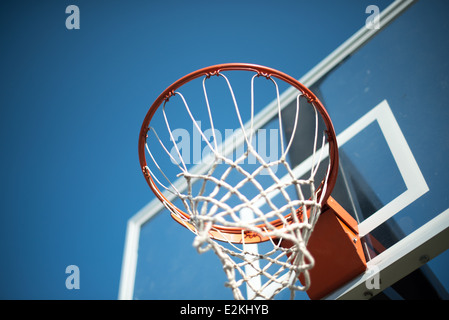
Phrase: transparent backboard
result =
(388, 98)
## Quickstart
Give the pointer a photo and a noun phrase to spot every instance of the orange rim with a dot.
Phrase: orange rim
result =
(236, 234)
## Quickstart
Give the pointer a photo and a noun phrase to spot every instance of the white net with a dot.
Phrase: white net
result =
(254, 213)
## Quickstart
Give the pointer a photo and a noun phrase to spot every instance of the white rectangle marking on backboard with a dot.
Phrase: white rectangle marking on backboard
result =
(408, 167)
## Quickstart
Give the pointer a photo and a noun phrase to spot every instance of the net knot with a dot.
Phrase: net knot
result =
(169, 95)
(214, 73)
(263, 74)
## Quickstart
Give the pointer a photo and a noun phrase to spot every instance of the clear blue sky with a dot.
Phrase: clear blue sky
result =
(72, 103)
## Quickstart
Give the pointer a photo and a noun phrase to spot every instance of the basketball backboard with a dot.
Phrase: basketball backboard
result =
(386, 91)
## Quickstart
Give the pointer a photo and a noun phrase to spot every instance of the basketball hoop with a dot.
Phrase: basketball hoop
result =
(233, 230)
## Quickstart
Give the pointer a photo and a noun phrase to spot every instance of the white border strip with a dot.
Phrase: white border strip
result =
(354, 42)
(401, 259)
(130, 254)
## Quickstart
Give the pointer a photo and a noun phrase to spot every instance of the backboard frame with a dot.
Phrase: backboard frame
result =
(407, 255)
